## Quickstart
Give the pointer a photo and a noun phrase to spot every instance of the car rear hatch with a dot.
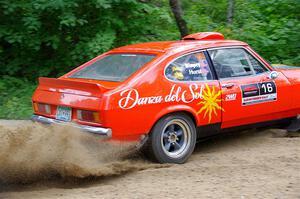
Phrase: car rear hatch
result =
(69, 99)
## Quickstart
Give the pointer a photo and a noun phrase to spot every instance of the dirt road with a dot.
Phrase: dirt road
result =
(252, 164)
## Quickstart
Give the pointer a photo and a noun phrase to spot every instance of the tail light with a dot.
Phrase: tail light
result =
(88, 116)
(42, 108)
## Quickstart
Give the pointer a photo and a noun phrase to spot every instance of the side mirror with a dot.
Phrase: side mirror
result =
(273, 75)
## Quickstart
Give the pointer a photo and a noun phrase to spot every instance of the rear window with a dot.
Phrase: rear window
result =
(114, 67)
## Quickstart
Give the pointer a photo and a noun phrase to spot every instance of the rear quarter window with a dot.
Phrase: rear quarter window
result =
(191, 67)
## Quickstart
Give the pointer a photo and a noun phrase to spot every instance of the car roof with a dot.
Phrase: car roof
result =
(177, 46)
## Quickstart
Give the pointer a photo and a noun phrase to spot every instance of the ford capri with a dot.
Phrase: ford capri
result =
(166, 95)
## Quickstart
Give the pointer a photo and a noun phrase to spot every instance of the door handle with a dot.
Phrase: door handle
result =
(229, 85)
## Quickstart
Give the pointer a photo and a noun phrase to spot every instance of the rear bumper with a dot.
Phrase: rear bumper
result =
(107, 132)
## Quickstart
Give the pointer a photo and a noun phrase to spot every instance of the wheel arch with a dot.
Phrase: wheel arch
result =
(179, 110)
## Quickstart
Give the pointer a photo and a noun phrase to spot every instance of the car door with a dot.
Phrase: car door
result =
(249, 94)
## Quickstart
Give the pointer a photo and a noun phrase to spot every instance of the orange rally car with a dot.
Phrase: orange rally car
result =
(168, 94)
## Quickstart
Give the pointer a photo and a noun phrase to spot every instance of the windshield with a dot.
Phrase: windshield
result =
(114, 67)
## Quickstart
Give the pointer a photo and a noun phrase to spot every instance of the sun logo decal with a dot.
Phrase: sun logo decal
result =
(210, 102)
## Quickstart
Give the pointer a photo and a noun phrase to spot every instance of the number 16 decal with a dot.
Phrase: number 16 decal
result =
(267, 88)
(258, 93)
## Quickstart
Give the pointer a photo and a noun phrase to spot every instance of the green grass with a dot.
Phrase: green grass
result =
(15, 98)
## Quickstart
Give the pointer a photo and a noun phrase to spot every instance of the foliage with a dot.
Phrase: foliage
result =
(15, 98)
(47, 38)
(50, 37)
(271, 27)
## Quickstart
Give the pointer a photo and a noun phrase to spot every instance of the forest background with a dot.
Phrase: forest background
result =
(51, 37)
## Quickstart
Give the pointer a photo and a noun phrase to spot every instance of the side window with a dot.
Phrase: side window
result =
(191, 67)
(257, 66)
(235, 62)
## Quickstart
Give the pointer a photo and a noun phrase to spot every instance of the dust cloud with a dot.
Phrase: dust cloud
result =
(34, 152)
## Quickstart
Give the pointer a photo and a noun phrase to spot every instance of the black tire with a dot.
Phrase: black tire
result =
(172, 139)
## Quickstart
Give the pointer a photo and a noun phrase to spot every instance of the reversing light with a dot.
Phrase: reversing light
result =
(88, 116)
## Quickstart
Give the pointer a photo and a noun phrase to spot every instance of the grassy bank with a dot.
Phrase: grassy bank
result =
(15, 98)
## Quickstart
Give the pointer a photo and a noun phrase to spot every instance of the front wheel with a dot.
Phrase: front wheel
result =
(173, 139)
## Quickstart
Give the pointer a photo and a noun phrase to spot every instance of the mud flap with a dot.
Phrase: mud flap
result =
(142, 142)
(295, 125)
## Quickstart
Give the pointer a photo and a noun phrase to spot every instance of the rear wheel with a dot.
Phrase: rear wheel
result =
(172, 139)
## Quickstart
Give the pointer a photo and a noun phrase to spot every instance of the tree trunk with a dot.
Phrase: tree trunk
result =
(177, 11)
(230, 12)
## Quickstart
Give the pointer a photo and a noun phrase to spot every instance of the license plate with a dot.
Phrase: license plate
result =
(64, 113)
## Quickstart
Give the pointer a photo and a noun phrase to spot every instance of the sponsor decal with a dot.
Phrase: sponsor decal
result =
(209, 98)
(177, 73)
(131, 97)
(258, 93)
(210, 102)
(230, 97)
